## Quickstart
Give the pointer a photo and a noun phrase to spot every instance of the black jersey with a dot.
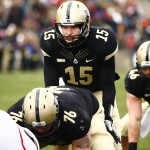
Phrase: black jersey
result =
(83, 68)
(76, 108)
(137, 85)
(90, 65)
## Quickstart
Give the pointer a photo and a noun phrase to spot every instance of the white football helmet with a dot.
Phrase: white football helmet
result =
(40, 108)
(143, 56)
(73, 13)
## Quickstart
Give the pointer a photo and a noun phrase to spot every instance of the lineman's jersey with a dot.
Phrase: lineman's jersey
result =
(76, 108)
(137, 85)
(80, 66)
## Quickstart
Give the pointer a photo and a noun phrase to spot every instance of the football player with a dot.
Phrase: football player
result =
(137, 85)
(15, 137)
(58, 115)
(84, 56)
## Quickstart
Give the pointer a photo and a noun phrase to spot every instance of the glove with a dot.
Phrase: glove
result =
(111, 128)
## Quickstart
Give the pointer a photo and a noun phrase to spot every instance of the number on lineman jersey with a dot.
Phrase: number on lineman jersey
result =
(68, 116)
(16, 116)
(133, 74)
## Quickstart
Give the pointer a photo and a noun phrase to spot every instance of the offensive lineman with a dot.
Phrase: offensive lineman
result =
(15, 137)
(57, 115)
(137, 84)
(84, 57)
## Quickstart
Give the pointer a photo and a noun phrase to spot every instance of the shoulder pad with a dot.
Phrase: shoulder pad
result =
(133, 82)
(105, 40)
(46, 40)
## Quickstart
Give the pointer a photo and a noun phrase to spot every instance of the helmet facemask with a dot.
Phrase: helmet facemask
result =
(73, 13)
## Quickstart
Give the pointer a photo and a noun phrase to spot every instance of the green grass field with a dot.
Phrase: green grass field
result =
(16, 84)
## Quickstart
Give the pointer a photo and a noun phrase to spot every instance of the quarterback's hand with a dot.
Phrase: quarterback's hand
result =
(111, 128)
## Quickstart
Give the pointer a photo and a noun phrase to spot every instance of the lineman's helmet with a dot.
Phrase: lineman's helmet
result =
(143, 56)
(73, 13)
(40, 110)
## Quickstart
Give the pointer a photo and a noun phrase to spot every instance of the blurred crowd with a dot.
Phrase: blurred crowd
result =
(22, 22)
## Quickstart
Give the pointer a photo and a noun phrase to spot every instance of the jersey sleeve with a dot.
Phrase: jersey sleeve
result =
(106, 46)
(94, 102)
(51, 74)
(112, 45)
(107, 79)
(106, 43)
(90, 100)
(15, 111)
(46, 42)
(133, 83)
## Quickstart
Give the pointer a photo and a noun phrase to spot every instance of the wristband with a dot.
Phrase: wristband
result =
(132, 146)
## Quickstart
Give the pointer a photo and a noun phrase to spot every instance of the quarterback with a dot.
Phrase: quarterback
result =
(84, 56)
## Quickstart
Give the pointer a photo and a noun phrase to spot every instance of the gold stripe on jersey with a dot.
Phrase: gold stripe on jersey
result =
(45, 54)
(112, 54)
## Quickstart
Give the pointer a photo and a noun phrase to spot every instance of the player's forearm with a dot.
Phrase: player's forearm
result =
(134, 131)
(135, 116)
(108, 86)
(82, 143)
(108, 100)
(133, 134)
(51, 75)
